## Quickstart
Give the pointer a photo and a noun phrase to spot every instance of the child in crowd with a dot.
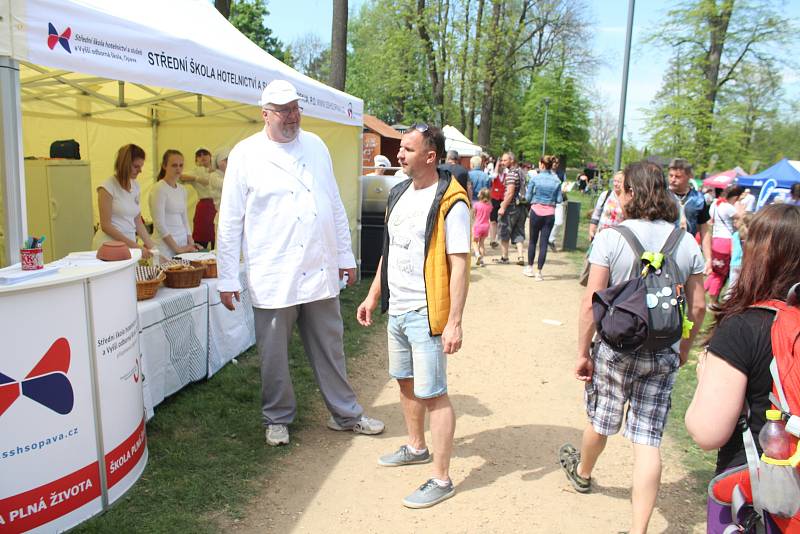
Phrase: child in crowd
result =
(737, 239)
(480, 229)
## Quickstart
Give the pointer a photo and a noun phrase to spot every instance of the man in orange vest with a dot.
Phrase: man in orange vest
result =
(422, 282)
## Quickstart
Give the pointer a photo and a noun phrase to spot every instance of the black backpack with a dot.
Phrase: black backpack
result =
(647, 311)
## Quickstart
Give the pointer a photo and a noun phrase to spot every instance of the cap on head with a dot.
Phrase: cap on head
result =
(202, 151)
(382, 161)
(279, 92)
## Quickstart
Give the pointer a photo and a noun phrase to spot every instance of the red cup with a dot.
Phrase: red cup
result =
(32, 259)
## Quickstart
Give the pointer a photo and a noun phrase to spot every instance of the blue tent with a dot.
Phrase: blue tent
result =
(785, 173)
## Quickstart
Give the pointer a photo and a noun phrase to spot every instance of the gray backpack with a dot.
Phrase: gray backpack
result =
(646, 312)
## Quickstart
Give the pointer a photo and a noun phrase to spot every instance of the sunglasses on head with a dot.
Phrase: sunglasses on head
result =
(421, 127)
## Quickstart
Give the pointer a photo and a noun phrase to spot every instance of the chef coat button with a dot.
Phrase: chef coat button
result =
(304, 274)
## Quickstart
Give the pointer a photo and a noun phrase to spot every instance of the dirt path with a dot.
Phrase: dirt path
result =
(516, 403)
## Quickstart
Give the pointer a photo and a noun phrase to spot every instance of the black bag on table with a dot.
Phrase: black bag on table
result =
(67, 149)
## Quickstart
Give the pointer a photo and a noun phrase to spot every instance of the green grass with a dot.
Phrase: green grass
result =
(698, 463)
(206, 442)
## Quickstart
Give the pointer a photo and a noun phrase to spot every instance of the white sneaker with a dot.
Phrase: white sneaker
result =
(528, 271)
(538, 277)
(365, 425)
(277, 435)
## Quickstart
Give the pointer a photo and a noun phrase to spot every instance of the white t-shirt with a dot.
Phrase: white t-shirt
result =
(722, 216)
(168, 209)
(407, 245)
(610, 249)
(124, 210)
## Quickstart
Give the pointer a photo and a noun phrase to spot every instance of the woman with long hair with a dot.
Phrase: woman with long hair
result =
(642, 380)
(168, 208)
(543, 194)
(118, 203)
(734, 370)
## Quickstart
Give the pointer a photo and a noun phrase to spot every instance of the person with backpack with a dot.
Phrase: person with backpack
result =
(759, 323)
(640, 369)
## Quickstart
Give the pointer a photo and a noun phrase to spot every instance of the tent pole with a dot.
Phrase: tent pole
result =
(154, 140)
(15, 217)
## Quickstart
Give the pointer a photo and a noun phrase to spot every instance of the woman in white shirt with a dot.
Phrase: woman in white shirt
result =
(204, 212)
(118, 203)
(722, 228)
(168, 208)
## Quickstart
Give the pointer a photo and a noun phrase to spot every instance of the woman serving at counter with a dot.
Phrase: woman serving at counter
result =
(118, 203)
(168, 208)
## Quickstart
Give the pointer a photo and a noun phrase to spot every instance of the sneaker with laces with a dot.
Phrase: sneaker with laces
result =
(501, 260)
(528, 271)
(365, 425)
(277, 435)
(403, 456)
(569, 458)
(429, 494)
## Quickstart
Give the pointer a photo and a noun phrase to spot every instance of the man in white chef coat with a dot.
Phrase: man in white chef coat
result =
(281, 206)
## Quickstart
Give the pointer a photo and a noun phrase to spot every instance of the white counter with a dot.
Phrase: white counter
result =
(71, 411)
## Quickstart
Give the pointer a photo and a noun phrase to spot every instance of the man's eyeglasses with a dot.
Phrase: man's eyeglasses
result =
(286, 111)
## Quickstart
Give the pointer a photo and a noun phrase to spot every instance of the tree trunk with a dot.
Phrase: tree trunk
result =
(435, 75)
(473, 80)
(463, 87)
(490, 79)
(339, 45)
(224, 7)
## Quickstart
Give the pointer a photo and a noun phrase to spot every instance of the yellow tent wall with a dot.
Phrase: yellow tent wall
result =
(100, 138)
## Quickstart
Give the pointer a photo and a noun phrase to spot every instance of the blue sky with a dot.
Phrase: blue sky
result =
(290, 19)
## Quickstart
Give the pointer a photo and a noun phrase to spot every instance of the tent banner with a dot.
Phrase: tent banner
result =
(180, 44)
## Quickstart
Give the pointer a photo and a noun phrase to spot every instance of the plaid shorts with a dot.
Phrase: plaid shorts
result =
(644, 380)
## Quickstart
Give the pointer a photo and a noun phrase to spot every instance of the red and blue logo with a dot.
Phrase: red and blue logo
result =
(54, 38)
(47, 383)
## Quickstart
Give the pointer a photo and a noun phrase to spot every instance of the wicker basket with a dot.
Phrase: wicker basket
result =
(147, 289)
(185, 278)
(211, 268)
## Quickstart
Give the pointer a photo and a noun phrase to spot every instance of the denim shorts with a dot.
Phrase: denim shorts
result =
(414, 353)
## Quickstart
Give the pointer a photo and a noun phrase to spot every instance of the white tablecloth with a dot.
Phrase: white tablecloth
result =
(187, 335)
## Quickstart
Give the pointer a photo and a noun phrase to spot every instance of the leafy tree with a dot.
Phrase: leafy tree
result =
(568, 118)
(248, 17)
(713, 44)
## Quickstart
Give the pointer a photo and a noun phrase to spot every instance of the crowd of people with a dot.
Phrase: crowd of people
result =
(437, 216)
(119, 203)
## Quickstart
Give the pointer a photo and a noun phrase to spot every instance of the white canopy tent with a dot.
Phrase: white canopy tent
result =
(455, 140)
(161, 74)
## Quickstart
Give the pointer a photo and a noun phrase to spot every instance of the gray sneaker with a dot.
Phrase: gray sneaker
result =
(403, 456)
(277, 435)
(429, 494)
(365, 425)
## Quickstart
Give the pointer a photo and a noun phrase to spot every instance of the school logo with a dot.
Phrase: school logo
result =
(54, 38)
(47, 383)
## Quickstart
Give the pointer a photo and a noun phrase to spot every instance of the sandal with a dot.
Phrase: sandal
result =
(569, 458)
